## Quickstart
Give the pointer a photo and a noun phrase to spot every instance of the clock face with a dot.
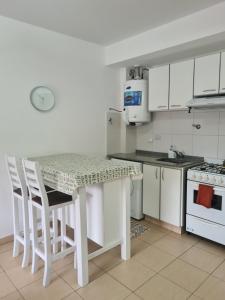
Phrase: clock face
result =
(42, 98)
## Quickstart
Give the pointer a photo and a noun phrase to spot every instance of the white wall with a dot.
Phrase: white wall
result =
(84, 88)
(175, 128)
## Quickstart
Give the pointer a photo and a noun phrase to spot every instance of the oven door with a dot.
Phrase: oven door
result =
(216, 213)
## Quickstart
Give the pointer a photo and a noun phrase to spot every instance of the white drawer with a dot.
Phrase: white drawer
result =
(206, 229)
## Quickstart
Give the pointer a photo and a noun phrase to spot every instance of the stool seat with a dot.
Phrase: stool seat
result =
(54, 198)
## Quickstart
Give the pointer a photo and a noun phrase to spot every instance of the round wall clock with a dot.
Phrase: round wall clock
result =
(42, 98)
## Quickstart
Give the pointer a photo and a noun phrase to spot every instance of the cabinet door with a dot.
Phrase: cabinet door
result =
(158, 88)
(181, 84)
(170, 206)
(151, 190)
(222, 73)
(206, 80)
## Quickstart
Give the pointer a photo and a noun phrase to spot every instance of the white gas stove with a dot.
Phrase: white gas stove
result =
(206, 222)
(208, 173)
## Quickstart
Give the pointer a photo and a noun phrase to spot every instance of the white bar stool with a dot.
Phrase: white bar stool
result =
(19, 195)
(46, 203)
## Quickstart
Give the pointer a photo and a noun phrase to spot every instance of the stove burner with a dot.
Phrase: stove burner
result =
(210, 168)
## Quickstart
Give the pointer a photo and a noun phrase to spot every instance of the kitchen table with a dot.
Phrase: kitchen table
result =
(73, 174)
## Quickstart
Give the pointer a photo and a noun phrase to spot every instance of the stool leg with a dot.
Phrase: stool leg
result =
(55, 230)
(26, 230)
(47, 247)
(34, 238)
(63, 229)
(15, 227)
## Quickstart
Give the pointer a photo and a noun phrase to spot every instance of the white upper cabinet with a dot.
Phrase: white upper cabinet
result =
(158, 88)
(222, 73)
(181, 84)
(206, 79)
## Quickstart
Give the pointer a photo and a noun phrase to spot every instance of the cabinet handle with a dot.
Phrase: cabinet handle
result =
(161, 106)
(210, 90)
(156, 173)
(223, 88)
(175, 105)
(162, 174)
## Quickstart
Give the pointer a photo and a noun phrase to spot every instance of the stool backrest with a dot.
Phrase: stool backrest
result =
(16, 176)
(34, 182)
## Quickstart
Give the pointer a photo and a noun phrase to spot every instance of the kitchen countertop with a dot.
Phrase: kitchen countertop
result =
(150, 157)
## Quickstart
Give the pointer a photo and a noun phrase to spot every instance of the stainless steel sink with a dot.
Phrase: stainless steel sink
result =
(174, 160)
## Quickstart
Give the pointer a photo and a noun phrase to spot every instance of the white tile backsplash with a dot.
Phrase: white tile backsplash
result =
(221, 147)
(222, 123)
(175, 128)
(209, 121)
(183, 142)
(207, 144)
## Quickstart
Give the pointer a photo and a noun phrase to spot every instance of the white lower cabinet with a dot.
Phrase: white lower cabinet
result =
(170, 204)
(162, 194)
(151, 189)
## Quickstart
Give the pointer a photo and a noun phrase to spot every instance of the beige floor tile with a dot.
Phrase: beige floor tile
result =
(202, 259)
(185, 275)
(173, 245)
(6, 247)
(132, 297)
(212, 247)
(131, 274)
(21, 277)
(193, 297)
(157, 227)
(159, 288)
(6, 287)
(56, 290)
(192, 239)
(7, 261)
(137, 246)
(68, 274)
(1, 270)
(13, 296)
(104, 287)
(212, 289)
(67, 260)
(154, 258)
(107, 260)
(151, 235)
(73, 296)
(220, 272)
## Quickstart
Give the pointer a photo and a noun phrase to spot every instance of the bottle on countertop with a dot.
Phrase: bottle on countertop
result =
(171, 152)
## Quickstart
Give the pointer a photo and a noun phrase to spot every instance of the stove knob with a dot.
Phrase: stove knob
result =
(214, 179)
(200, 177)
(207, 178)
(221, 181)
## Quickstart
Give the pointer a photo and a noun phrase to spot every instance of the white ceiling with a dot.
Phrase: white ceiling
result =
(100, 21)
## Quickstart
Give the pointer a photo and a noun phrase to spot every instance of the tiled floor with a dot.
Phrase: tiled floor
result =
(164, 266)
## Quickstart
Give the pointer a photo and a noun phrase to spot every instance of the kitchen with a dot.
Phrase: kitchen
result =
(170, 74)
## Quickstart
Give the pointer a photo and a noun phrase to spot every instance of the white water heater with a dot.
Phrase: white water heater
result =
(136, 102)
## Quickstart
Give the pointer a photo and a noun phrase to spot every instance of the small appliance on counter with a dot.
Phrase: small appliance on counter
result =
(205, 215)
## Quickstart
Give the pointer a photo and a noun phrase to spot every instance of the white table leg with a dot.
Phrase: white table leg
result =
(125, 242)
(81, 237)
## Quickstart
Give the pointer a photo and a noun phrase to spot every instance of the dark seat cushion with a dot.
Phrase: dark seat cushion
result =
(54, 198)
(19, 192)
